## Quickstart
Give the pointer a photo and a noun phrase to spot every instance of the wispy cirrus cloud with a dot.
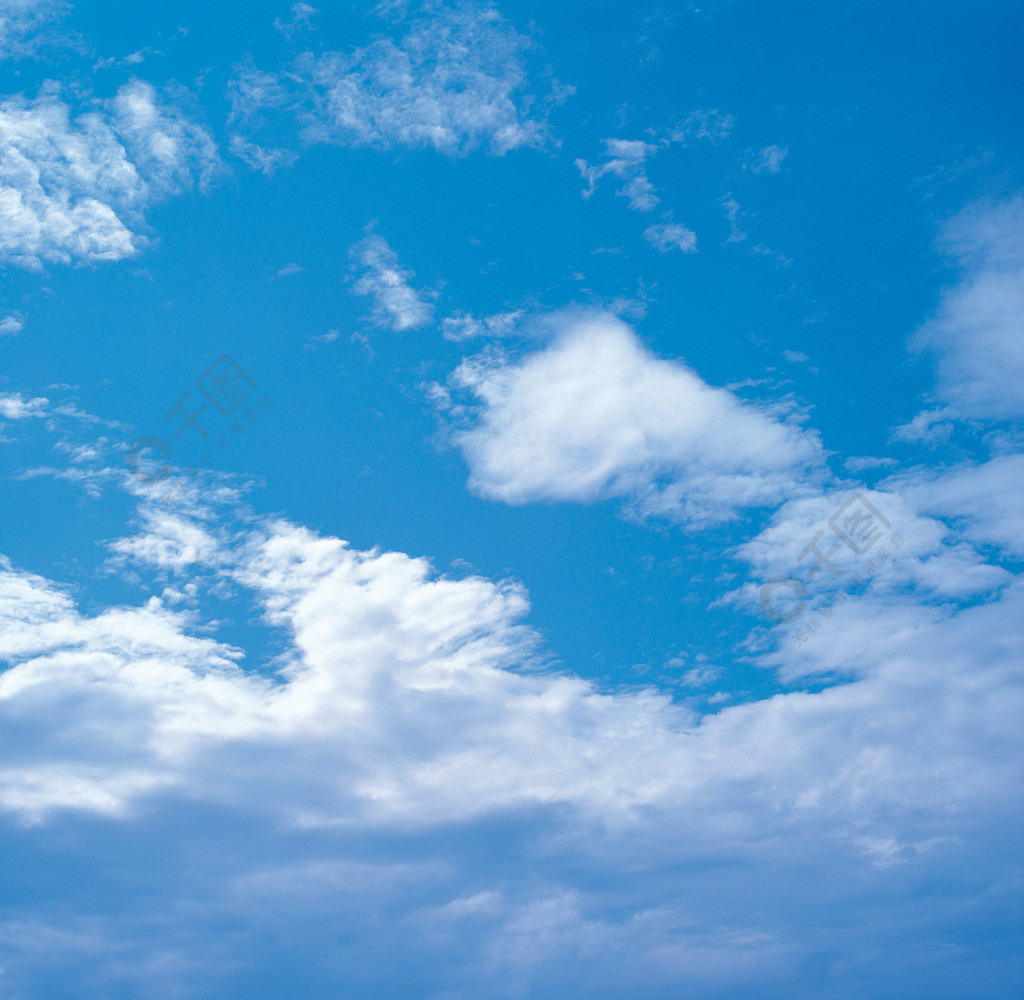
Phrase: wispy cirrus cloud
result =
(666, 236)
(624, 159)
(462, 326)
(767, 160)
(396, 304)
(455, 80)
(28, 25)
(301, 19)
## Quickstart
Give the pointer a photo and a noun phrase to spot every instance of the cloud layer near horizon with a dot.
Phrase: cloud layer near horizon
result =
(402, 702)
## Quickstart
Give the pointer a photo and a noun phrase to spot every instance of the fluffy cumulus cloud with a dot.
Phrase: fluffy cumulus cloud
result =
(400, 704)
(406, 687)
(396, 304)
(977, 334)
(400, 754)
(12, 324)
(15, 406)
(596, 415)
(455, 81)
(384, 657)
(73, 189)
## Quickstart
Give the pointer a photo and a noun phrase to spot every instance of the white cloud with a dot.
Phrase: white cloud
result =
(595, 415)
(14, 406)
(409, 684)
(767, 160)
(776, 255)
(624, 159)
(24, 24)
(977, 334)
(733, 212)
(396, 305)
(74, 189)
(671, 236)
(930, 427)
(701, 676)
(983, 499)
(132, 59)
(58, 181)
(12, 324)
(165, 146)
(302, 14)
(705, 125)
(464, 326)
(401, 704)
(859, 463)
(901, 550)
(454, 82)
(324, 338)
(266, 161)
(169, 541)
(253, 90)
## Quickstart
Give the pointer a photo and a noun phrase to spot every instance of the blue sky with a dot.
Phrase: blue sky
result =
(589, 564)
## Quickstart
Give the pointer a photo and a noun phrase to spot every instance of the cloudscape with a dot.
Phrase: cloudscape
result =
(511, 500)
